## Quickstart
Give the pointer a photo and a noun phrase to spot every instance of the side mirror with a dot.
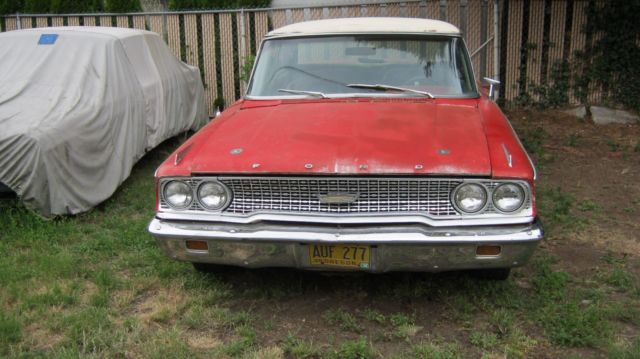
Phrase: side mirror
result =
(492, 83)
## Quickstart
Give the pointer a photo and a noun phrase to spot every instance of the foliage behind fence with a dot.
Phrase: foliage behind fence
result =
(538, 38)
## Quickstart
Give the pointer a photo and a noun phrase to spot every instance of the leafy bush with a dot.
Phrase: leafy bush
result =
(615, 56)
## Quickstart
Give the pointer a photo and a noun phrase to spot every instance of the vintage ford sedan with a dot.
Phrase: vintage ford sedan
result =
(361, 144)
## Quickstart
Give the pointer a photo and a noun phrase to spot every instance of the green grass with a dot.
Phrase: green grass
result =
(355, 349)
(299, 348)
(97, 285)
(344, 319)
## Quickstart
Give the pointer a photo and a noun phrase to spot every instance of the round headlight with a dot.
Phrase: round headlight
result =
(178, 194)
(508, 197)
(470, 197)
(213, 195)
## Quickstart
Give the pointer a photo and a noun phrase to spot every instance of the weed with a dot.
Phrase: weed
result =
(628, 311)
(232, 320)
(533, 139)
(636, 148)
(620, 278)
(406, 331)
(625, 350)
(575, 325)
(245, 343)
(265, 353)
(399, 319)
(355, 349)
(299, 348)
(549, 284)
(503, 320)
(484, 340)
(436, 351)
(162, 316)
(10, 330)
(613, 145)
(517, 344)
(167, 344)
(556, 205)
(88, 329)
(57, 296)
(100, 299)
(588, 206)
(344, 319)
(572, 140)
(374, 316)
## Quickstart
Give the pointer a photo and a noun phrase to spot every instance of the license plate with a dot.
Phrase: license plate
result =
(339, 255)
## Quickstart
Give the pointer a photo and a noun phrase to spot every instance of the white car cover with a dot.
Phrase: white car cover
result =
(80, 105)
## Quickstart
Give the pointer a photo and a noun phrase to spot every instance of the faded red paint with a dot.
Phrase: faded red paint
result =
(454, 137)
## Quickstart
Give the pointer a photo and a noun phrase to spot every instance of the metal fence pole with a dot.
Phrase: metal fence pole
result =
(242, 50)
(18, 24)
(496, 44)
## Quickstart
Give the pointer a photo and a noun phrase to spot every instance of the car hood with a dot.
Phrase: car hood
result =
(364, 136)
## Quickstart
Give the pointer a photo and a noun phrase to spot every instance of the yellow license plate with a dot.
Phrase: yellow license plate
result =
(340, 255)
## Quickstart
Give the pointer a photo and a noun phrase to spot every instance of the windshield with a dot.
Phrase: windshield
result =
(364, 65)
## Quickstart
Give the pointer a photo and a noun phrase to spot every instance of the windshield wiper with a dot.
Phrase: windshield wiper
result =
(301, 92)
(390, 88)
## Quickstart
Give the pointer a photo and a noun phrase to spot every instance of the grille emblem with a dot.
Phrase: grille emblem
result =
(337, 198)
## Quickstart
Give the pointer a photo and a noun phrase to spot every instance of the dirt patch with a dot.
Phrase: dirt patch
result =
(158, 305)
(44, 339)
(202, 340)
(598, 165)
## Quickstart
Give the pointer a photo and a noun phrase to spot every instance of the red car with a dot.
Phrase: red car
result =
(361, 144)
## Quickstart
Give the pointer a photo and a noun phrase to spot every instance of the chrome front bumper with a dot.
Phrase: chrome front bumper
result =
(402, 247)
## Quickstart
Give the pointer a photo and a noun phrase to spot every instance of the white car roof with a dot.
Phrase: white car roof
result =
(118, 32)
(363, 25)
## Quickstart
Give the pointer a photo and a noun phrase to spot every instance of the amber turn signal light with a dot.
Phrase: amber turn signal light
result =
(488, 250)
(197, 245)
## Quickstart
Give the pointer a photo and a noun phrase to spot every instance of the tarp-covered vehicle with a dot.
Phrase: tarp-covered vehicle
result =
(80, 105)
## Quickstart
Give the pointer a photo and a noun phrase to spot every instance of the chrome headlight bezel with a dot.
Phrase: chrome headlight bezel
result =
(523, 200)
(227, 192)
(188, 193)
(457, 206)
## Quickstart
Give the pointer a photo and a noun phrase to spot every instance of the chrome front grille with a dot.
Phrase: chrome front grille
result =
(374, 195)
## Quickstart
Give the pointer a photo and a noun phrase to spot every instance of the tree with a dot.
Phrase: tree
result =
(216, 4)
(11, 6)
(122, 5)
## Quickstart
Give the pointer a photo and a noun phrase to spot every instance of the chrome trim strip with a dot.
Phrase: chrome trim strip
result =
(507, 154)
(345, 219)
(533, 166)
